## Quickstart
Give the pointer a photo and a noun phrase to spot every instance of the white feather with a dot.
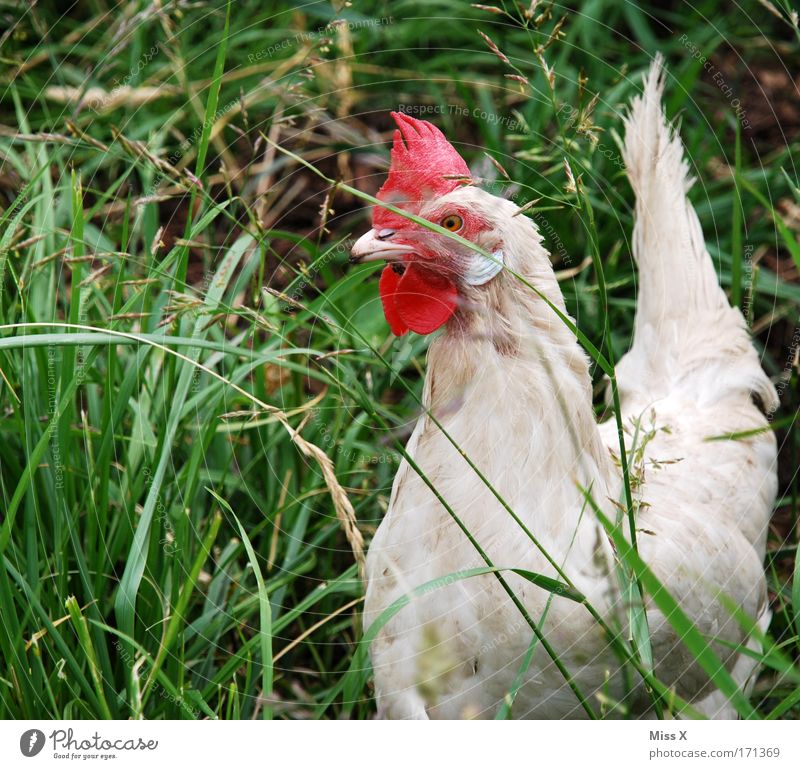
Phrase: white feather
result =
(510, 386)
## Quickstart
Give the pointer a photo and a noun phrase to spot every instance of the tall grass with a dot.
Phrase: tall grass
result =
(199, 395)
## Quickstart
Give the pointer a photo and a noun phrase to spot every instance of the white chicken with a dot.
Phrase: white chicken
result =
(508, 386)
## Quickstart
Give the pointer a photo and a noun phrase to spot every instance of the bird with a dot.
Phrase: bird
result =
(508, 472)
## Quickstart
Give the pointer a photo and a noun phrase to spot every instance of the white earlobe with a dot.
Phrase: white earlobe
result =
(482, 270)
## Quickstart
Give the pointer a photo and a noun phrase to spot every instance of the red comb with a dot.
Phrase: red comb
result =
(422, 159)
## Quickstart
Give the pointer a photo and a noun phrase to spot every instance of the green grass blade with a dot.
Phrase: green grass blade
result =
(265, 614)
(81, 628)
(125, 603)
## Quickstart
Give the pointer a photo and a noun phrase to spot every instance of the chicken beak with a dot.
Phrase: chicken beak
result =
(370, 247)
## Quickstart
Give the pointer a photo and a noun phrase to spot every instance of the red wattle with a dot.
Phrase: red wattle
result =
(418, 300)
(388, 288)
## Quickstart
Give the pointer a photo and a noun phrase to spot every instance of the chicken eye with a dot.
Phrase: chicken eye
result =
(452, 222)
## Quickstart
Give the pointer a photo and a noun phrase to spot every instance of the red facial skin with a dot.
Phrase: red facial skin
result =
(420, 293)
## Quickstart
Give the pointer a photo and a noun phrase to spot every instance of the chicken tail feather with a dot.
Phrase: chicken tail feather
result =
(685, 330)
